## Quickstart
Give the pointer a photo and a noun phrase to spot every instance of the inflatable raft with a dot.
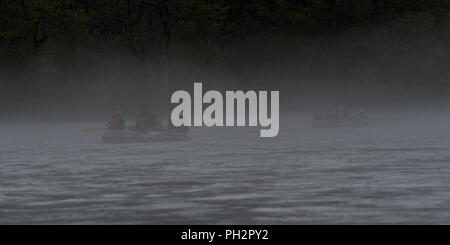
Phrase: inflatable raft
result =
(127, 136)
(339, 124)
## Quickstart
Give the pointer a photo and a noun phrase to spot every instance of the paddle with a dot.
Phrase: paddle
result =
(86, 130)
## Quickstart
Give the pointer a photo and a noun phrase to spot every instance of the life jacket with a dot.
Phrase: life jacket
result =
(115, 122)
(141, 121)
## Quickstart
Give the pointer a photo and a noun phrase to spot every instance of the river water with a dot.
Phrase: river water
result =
(391, 172)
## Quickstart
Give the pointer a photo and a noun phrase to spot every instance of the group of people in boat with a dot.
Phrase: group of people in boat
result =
(145, 122)
(341, 114)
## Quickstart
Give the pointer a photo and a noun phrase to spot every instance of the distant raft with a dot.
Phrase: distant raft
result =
(340, 124)
(127, 136)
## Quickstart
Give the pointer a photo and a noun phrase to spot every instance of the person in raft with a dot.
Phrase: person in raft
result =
(116, 122)
(146, 121)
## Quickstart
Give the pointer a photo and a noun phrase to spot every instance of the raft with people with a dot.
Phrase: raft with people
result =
(340, 118)
(147, 129)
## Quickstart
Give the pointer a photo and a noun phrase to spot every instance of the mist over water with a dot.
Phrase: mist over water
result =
(69, 65)
(393, 171)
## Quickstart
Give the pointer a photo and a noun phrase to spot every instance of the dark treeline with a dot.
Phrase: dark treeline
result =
(83, 56)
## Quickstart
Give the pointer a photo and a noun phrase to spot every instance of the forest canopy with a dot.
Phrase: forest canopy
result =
(64, 53)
